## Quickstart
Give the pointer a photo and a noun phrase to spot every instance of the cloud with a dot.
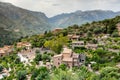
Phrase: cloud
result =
(54, 7)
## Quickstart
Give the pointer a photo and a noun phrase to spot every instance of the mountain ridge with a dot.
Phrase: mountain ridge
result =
(80, 17)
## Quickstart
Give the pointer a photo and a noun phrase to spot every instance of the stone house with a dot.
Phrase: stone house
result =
(91, 46)
(73, 37)
(69, 58)
(27, 55)
(118, 27)
(77, 44)
(114, 50)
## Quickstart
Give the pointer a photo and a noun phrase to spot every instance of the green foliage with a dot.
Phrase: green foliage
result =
(40, 74)
(57, 43)
(100, 52)
(89, 34)
(97, 30)
(108, 73)
(21, 75)
(45, 57)
(38, 57)
(1, 68)
(17, 60)
(115, 34)
(63, 66)
(37, 51)
(63, 75)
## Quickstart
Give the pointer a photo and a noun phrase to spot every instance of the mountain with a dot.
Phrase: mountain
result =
(21, 21)
(17, 22)
(81, 17)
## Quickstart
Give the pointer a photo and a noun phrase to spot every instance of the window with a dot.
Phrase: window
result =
(1, 55)
(82, 60)
(58, 63)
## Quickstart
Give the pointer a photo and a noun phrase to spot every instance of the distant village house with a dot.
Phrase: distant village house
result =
(57, 30)
(77, 44)
(118, 27)
(73, 37)
(91, 46)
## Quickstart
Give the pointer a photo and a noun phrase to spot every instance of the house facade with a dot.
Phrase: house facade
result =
(91, 46)
(118, 27)
(73, 37)
(77, 44)
(69, 58)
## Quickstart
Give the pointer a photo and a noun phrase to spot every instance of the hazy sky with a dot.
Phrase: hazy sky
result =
(53, 7)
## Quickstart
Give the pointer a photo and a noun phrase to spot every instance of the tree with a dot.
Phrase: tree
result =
(21, 75)
(94, 41)
(115, 34)
(1, 68)
(64, 75)
(38, 57)
(40, 74)
(37, 51)
(56, 43)
(17, 60)
(108, 73)
(111, 28)
(89, 34)
(45, 57)
(97, 30)
(45, 32)
(63, 66)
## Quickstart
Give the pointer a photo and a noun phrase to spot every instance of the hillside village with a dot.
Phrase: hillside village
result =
(64, 49)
